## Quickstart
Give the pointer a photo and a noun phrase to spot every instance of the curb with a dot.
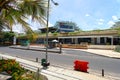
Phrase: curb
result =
(34, 49)
(98, 54)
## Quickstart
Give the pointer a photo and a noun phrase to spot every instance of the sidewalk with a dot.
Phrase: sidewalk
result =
(4, 76)
(106, 53)
(56, 73)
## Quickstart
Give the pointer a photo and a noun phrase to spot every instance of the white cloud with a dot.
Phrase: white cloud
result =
(100, 21)
(18, 28)
(110, 23)
(114, 17)
(87, 15)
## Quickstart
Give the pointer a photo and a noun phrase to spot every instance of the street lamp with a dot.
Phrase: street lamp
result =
(48, 7)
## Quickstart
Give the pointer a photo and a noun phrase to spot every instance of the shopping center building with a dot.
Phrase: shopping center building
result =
(66, 33)
(106, 37)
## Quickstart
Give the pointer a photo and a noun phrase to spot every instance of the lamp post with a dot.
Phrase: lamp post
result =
(47, 30)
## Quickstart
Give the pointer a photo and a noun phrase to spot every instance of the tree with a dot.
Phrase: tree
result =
(6, 37)
(116, 25)
(18, 11)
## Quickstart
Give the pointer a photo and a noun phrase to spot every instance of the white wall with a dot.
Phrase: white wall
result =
(101, 47)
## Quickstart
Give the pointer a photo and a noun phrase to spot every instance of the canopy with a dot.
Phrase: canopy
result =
(55, 40)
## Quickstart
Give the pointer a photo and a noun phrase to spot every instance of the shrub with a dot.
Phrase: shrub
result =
(117, 49)
(16, 71)
(11, 67)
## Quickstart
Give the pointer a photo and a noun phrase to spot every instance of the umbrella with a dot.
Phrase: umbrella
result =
(55, 40)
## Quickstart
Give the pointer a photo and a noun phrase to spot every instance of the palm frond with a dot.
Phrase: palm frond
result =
(15, 11)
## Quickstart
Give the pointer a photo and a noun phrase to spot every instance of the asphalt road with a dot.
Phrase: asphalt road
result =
(66, 59)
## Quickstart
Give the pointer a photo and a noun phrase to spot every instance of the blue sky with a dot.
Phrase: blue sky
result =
(87, 14)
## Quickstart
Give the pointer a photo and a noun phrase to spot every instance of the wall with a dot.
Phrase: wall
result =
(101, 47)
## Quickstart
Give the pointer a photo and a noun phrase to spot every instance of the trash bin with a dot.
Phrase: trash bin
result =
(25, 43)
(44, 62)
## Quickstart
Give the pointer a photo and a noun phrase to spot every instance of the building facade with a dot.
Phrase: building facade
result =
(62, 27)
(105, 37)
(65, 26)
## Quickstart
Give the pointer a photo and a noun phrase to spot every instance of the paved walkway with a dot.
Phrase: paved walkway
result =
(4, 76)
(106, 53)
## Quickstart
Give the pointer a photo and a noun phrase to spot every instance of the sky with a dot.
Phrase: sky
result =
(87, 14)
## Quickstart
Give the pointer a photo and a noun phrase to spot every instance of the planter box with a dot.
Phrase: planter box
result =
(75, 46)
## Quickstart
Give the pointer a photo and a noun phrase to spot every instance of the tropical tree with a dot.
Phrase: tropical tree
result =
(116, 25)
(18, 11)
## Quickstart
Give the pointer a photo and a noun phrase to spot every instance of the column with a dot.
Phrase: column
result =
(105, 40)
(72, 40)
(92, 41)
(14, 40)
(98, 40)
(111, 40)
(76, 40)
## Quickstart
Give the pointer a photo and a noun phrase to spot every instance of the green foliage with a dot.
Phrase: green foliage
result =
(6, 37)
(16, 71)
(14, 12)
(11, 67)
(55, 33)
(74, 33)
(116, 25)
(29, 36)
(98, 30)
(117, 49)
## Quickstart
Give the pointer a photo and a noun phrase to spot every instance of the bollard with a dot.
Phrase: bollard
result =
(60, 48)
(102, 72)
(36, 59)
(37, 74)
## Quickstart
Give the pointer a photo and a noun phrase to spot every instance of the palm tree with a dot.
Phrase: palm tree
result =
(18, 11)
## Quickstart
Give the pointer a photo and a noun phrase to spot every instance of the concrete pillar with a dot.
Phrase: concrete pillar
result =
(63, 40)
(58, 40)
(98, 40)
(14, 40)
(93, 40)
(111, 40)
(76, 40)
(105, 40)
(72, 40)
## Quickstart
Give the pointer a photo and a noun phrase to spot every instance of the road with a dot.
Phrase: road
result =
(66, 59)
